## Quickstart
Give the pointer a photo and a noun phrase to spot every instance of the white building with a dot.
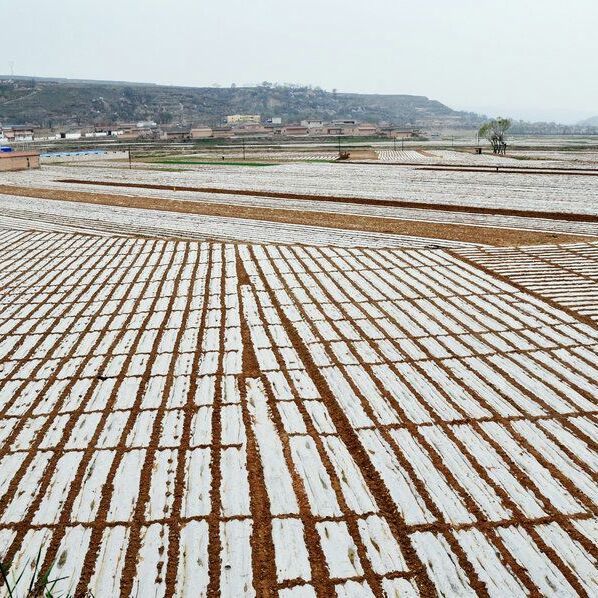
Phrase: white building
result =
(312, 124)
(69, 135)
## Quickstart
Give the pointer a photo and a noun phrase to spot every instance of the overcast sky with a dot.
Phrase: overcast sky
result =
(534, 59)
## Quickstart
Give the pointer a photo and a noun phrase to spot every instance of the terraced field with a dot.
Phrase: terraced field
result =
(199, 404)
(559, 193)
(252, 207)
(24, 213)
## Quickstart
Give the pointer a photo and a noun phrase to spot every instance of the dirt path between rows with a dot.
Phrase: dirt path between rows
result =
(454, 232)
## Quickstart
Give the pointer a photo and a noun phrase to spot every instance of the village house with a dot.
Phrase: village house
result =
(222, 132)
(366, 130)
(18, 133)
(251, 129)
(395, 133)
(295, 130)
(201, 132)
(175, 135)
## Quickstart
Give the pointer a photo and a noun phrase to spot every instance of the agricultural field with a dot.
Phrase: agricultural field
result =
(506, 190)
(308, 379)
(566, 274)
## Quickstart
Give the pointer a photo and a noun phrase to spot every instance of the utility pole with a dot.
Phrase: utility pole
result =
(243, 140)
(395, 142)
(339, 146)
(130, 165)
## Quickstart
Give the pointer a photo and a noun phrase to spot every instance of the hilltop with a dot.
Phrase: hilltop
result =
(52, 102)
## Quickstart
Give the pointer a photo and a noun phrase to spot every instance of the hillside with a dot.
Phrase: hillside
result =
(52, 102)
(589, 122)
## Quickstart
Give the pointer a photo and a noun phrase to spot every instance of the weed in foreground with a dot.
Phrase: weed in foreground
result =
(37, 585)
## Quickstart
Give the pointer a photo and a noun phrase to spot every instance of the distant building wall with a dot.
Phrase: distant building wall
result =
(201, 133)
(318, 131)
(365, 129)
(176, 135)
(222, 132)
(128, 135)
(312, 124)
(251, 129)
(18, 161)
(72, 135)
(400, 134)
(295, 130)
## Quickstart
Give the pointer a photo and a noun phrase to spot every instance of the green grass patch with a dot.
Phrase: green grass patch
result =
(31, 581)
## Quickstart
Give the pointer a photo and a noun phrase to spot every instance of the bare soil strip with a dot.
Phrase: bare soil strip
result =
(149, 463)
(455, 232)
(216, 288)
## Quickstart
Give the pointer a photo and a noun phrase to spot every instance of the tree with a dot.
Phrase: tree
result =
(495, 132)
(163, 117)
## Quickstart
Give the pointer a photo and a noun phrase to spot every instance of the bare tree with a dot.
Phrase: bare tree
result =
(495, 132)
